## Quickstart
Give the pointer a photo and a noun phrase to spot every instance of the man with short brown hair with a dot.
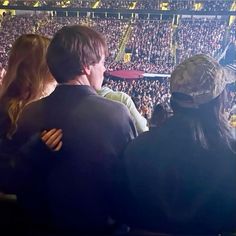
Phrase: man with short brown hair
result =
(74, 191)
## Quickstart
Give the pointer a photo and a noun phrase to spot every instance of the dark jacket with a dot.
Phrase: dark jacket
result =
(176, 186)
(73, 190)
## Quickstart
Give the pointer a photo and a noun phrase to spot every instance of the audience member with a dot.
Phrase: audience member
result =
(181, 177)
(27, 79)
(74, 192)
(139, 121)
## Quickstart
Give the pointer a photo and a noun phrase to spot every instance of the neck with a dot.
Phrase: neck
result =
(78, 80)
(49, 88)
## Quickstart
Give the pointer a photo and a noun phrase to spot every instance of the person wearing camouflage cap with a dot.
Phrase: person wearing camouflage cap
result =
(202, 78)
(182, 176)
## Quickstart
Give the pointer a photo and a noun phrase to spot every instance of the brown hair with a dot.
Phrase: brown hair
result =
(26, 76)
(72, 48)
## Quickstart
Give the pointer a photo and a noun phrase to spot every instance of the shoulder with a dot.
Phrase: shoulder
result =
(31, 111)
(112, 114)
(110, 105)
(142, 144)
(29, 121)
(150, 144)
(98, 108)
(119, 96)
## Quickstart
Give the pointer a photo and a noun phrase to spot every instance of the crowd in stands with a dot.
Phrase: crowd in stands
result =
(152, 44)
(211, 5)
(152, 4)
(11, 28)
(81, 4)
(181, 5)
(153, 50)
(146, 93)
(155, 46)
(168, 5)
(151, 41)
(113, 29)
(207, 5)
(123, 4)
(199, 36)
(135, 65)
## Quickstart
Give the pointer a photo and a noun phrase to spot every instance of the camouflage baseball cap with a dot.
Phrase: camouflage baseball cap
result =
(200, 77)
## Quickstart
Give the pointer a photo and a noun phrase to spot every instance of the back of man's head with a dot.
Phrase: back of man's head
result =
(71, 49)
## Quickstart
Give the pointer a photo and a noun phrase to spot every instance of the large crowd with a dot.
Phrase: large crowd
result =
(217, 5)
(123, 4)
(155, 46)
(200, 36)
(113, 29)
(208, 5)
(151, 42)
(145, 92)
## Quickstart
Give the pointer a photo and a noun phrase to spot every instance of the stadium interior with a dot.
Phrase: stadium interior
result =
(146, 40)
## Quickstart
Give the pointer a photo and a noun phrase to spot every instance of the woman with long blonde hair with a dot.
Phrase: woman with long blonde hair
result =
(27, 79)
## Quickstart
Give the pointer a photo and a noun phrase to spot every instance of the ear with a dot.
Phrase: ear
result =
(86, 70)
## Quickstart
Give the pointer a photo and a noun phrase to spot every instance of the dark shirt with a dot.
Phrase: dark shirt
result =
(176, 186)
(73, 190)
